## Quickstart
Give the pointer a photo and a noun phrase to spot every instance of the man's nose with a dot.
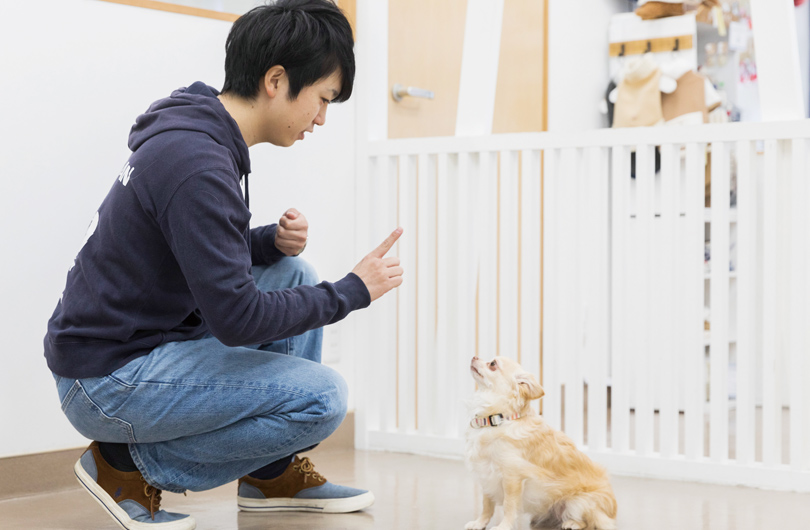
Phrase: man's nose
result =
(320, 119)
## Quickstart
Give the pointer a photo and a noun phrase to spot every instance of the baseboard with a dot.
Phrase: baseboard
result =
(22, 476)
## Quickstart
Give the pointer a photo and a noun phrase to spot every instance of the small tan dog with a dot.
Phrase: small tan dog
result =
(524, 464)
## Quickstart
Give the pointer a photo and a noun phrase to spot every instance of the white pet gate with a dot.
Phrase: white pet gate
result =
(629, 370)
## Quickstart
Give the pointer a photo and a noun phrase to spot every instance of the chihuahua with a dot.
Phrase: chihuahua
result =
(525, 465)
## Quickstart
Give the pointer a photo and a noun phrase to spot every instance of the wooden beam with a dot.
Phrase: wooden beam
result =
(176, 8)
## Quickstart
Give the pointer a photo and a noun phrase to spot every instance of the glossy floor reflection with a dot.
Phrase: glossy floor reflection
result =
(415, 492)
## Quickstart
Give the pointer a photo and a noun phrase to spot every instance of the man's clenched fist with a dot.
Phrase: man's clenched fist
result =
(291, 233)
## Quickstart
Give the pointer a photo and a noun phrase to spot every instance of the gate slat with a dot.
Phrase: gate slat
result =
(597, 309)
(643, 355)
(552, 289)
(406, 295)
(507, 265)
(746, 310)
(771, 408)
(569, 274)
(620, 371)
(694, 382)
(487, 254)
(466, 273)
(719, 345)
(425, 317)
(799, 316)
(530, 226)
(668, 414)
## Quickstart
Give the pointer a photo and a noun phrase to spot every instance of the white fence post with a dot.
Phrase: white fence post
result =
(552, 290)
(772, 406)
(746, 312)
(718, 348)
(529, 261)
(620, 366)
(799, 345)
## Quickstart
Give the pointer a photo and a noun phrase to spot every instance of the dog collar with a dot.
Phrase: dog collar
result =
(491, 421)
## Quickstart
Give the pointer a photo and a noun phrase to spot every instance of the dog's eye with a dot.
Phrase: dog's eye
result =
(493, 366)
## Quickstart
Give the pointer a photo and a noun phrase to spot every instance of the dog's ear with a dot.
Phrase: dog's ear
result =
(529, 387)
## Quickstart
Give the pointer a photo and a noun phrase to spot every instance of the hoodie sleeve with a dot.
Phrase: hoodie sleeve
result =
(263, 249)
(204, 225)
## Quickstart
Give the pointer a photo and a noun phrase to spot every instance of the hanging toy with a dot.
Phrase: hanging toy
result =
(653, 9)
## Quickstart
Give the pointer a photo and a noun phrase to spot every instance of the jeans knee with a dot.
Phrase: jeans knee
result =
(336, 397)
(304, 272)
(287, 272)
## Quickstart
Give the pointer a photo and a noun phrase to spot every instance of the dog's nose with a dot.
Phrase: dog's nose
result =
(475, 358)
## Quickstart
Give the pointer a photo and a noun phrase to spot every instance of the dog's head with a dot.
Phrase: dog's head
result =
(505, 381)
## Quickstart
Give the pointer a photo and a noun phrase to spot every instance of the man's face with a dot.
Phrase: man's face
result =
(291, 119)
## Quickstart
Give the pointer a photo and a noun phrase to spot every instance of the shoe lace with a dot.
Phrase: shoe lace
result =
(154, 497)
(307, 468)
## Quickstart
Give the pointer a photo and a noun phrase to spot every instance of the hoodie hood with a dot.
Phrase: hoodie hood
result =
(195, 108)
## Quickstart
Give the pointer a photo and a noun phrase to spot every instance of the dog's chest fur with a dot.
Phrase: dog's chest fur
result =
(483, 460)
(492, 451)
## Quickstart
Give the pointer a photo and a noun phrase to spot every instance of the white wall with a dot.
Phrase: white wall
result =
(778, 60)
(74, 75)
(578, 55)
(803, 38)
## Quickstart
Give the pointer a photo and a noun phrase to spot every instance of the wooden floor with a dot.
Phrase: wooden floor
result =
(422, 493)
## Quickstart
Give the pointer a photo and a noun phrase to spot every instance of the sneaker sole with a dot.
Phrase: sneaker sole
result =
(349, 504)
(117, 513)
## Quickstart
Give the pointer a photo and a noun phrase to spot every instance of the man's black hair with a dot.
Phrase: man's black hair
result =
(311, 39)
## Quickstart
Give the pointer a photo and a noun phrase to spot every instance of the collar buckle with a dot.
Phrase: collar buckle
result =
(496, 419)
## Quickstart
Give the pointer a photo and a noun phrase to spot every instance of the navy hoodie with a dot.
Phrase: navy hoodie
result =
(168, 255)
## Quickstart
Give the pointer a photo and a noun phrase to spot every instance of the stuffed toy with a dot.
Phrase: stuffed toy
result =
(687, 104)
(704, 9)
(652, 9)
(638, 95)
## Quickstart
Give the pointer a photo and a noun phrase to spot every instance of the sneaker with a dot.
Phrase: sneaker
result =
(126, 496)
(300, 488)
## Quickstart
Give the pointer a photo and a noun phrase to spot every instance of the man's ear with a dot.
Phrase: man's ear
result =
(273, 79)
(529, 387)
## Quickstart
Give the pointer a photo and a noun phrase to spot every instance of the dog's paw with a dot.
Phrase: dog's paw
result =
(572, 525)
(476, 525)
(503, 527)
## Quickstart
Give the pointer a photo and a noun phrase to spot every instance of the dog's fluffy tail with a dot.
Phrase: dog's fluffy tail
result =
(603, 509)
(596, 509)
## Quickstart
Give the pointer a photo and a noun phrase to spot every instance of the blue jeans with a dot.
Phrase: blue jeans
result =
(199, 414)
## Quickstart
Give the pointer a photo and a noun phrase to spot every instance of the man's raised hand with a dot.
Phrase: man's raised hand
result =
(380, 274)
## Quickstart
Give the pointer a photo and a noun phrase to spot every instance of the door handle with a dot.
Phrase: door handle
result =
(400, 91)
